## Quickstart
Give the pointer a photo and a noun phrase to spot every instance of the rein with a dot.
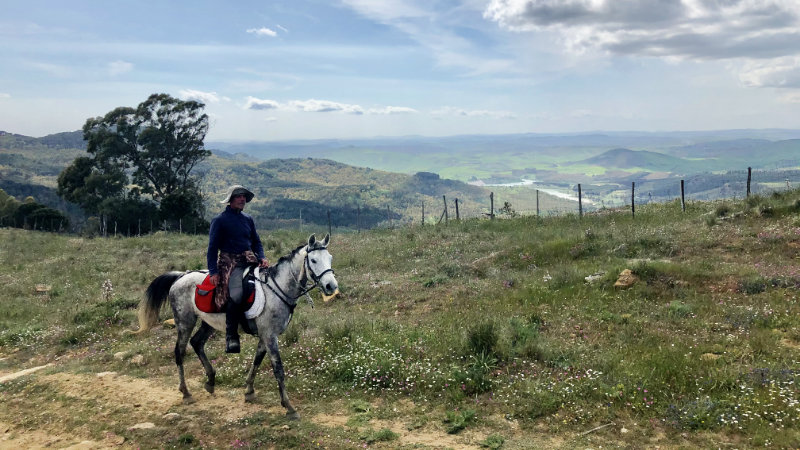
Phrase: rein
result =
(286, 299)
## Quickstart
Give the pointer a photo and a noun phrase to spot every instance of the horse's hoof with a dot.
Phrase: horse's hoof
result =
(188, 400)
(210, 388)
(292, 415)
(250, 398)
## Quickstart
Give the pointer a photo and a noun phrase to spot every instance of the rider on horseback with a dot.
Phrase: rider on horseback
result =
(233, 244)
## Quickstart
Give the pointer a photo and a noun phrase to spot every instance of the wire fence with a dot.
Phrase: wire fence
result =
(579, 199)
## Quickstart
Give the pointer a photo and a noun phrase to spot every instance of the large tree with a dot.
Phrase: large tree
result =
(151, 149)
(161, 141)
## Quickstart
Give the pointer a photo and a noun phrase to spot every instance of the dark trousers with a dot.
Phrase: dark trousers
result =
(233, 308)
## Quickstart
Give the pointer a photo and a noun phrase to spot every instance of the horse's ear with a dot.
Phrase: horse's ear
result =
(312, 240)
(326, 240)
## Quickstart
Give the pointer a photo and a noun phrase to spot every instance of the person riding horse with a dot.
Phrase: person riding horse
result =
(233, 244)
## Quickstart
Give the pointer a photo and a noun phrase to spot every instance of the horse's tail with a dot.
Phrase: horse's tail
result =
(154, 298)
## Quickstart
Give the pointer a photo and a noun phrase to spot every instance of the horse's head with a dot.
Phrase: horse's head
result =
(319, 264)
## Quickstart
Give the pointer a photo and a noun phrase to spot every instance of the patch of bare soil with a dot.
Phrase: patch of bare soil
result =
(115, 398)
(427, 436)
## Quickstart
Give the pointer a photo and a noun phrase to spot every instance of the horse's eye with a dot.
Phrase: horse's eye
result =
(314, 261)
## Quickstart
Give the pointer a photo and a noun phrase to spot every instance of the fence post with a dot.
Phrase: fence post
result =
(329, 223)
(446, 218)
(580, 202)
(458, 217)
(423, 215)
(537, 203)
(749, 176)
(683, 198)
(358, 218)
(633, 199)
(491, 203)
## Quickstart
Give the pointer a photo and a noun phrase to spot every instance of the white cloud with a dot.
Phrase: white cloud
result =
(4, 95)
(119, 67)
(200, 96)
(780, 72)
(324, 106)
(384, 11)
(695, 29)
(271, 119)
(282, 28)
(259, 104)
(263, 31)
(452, 111)
(392, 110)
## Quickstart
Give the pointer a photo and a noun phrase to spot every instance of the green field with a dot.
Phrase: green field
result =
(505, 333)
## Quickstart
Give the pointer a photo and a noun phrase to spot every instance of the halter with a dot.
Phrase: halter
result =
(303, 281)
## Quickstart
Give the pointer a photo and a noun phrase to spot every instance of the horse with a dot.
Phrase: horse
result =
(281, 286)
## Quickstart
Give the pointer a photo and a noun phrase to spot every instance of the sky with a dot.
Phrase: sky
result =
(307, 69)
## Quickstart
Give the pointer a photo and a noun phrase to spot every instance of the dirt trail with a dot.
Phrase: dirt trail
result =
(140, 402)
(145, 404)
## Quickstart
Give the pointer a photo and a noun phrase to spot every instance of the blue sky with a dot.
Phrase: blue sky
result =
(299, 69)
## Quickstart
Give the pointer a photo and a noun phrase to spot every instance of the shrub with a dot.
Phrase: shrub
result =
(493, 441)
(456, 421)
(482, 339)
(722, 210)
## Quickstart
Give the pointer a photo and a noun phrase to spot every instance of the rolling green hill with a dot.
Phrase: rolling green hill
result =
(623, 158)
(290, 192)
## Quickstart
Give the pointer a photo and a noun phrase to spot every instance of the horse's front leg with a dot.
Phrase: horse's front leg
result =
(277, 369)
(250, 393)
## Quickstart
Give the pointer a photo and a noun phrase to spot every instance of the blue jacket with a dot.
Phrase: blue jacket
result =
(232, 231)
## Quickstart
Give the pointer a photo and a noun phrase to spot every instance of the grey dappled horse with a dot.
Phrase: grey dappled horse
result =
(282, 284)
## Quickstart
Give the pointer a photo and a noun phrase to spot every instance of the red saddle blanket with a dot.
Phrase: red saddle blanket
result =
(204, 297)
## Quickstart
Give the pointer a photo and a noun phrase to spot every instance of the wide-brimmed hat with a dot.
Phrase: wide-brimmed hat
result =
(237, 189)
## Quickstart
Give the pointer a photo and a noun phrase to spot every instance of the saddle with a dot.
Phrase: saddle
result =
(204, 292)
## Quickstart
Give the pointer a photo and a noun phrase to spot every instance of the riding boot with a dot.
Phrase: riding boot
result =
(232, 328)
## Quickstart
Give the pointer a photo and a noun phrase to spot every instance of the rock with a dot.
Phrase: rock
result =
(594, 277)
(105, 374)
(172, 416)
(623, 430)
(114, 439)
(626, 279)
(121, 355)
(143, 426)
(170, 323)
(138, 360)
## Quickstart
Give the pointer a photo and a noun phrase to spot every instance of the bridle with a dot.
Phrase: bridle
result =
(291, 302)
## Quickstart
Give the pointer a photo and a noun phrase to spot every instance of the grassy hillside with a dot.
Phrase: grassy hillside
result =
(290, 192)
(504, 333)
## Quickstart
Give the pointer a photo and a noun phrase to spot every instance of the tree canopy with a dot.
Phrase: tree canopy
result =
(148, 150)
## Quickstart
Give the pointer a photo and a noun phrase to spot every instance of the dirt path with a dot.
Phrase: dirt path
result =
(146, 404)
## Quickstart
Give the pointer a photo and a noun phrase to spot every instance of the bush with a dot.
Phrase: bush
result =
(456, 421)
(482, 339)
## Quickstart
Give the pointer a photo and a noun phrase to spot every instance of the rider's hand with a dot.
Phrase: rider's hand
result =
(264, 263)
(214, 279)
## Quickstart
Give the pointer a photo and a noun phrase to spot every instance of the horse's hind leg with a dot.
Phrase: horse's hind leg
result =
(184, 331)
(277, 370)
(250, 393)
(198, 344)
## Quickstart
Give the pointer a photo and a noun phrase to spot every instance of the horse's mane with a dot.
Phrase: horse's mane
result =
(273, 269)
